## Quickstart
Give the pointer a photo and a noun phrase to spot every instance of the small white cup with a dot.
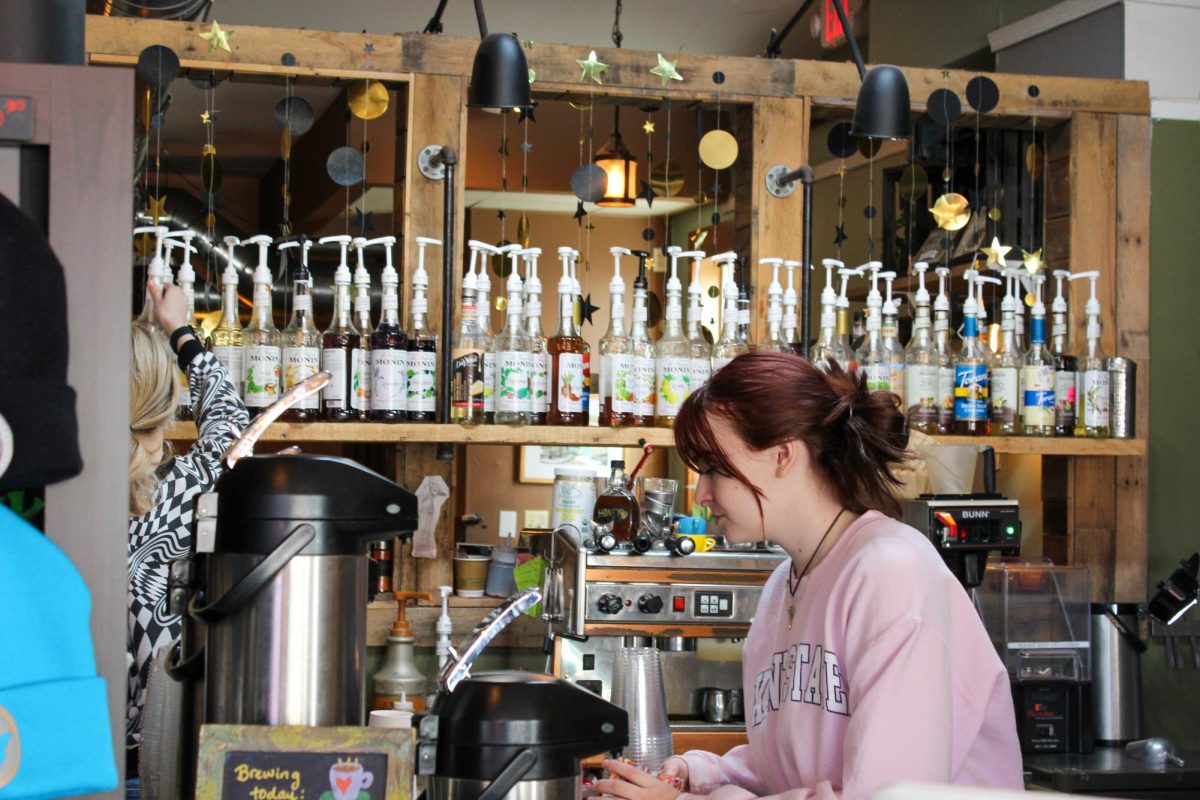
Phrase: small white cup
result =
(390, 718)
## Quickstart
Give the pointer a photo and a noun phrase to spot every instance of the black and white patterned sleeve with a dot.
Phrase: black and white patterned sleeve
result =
(219, 412)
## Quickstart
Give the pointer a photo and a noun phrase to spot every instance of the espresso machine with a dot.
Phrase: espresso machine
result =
(696, 609)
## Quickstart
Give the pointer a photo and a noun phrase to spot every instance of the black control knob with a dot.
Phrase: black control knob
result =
(650, 604)
(642, 543)
(681, 545)
(610, 604)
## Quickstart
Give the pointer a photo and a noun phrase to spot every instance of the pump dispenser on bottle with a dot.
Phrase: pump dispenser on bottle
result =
(728, 347)
(467, 348)
(1006, 367)
(921, 364)
(1093, 393)
(774, 342)
(483, 308)
(1065, 363)
(421, 391)
(672, 352)
(399, 677)
(889, 334)
(945, 354)
(362, 322)
(1037, 372)
(187, 282)
(843, 317)
(566, 350)
(743, 306)
(828, 348)
(790, 299)
(340, 345)
(156, 269)
(539, 381)
(389, 346)
(699, 350)
(514, 356)
(444, 628)
(301, 339)
(642, 349)
(873, 359)
(971, 376)
(225, 341)
(262, 355)
(616, 355)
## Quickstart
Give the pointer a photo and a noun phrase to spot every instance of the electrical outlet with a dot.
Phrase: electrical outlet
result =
(537, 518)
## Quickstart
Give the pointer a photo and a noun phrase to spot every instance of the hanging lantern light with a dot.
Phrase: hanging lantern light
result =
(620, 168)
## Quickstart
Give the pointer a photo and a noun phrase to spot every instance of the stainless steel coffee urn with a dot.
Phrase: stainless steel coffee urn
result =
(275, 629)
(1116, 672)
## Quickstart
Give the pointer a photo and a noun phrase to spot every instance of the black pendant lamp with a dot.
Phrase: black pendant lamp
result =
(620, 169)
(500, 74)
(882, 108)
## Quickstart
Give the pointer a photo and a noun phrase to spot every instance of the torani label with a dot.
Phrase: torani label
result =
(1038, 396)
(971, 392)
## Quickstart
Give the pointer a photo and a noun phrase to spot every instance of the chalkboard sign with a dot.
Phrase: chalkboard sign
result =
(263, 762)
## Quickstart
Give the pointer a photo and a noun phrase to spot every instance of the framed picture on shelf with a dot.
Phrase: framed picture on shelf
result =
(538, 461)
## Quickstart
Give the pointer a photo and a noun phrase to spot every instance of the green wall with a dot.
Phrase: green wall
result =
(1171, 697)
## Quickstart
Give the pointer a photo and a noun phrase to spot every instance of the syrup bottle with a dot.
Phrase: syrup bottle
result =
(727, 347)
(187, 282)
(301, 339)
(971, 377)
(617, 506)
(1065, 363)
(339, 347)
(422, 346)
(699, 350)
(389, 348)
(361, 401)
(565, 348)
(539, 383)
(514, 358)
(225, 340)
(642, 348)
(672, 353)
(467, 348)
(262, 355)
(616, 355)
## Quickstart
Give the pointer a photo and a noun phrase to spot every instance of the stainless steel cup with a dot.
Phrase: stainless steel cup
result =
(715, 705)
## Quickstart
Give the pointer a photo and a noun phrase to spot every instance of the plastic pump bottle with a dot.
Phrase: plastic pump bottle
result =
(971, 377)
(642, 349)
(421, 396)
(1065, 363)
(828, 348)
(790, 299)
(1005, 398)
(728, 347)
(616, 355)
(1093, 393)
(539, 379)
(1037, 373)
(399, 679)
(921, 364)
(568, 378)
(262, 355)
(514, 357)
(945, 354)
(467, 349)
(301, 338)
(672, 352)
(889, 334)
(155, 269)
(699, 350)
(389, 346)
(225, 340)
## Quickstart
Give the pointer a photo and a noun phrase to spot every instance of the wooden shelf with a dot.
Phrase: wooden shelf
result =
(454, 434)
(377, 432)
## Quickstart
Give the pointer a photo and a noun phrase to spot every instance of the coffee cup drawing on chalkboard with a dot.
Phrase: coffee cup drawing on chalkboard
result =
(348, 781)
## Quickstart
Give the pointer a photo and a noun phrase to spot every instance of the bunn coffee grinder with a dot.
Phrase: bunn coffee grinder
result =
(967, 528)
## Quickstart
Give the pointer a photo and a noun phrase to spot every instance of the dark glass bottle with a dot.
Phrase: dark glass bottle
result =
(617, 506)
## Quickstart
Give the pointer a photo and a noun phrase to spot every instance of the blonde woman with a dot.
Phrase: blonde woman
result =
(162, 488)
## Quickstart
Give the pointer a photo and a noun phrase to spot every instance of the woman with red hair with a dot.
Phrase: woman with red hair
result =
(866, 662)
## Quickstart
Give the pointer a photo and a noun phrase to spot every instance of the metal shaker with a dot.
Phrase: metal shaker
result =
(1122, 379)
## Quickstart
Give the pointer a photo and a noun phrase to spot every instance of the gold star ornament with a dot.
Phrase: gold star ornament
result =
(951, 211)
(217, 38)
(666, 70)
(205, 117)
(1032, 261)
(996, 253)
(593, 68)
(648, 126)
(156, 208)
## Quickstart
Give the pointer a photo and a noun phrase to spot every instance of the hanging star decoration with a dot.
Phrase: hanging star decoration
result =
(579, 213)
(648, 127)
(206, 117)
(156, 208)
(586, 309)
(840, 237)
(369, 48)
(593, 68)
(951, 211)
(666, 70)
(995, 253)
(502, 215)
(528, 113)
(1032, 261)
(365, 222)
(647, 193)
(526, 147)
(217, 38)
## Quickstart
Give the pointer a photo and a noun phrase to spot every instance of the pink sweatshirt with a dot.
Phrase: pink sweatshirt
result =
(887, 674)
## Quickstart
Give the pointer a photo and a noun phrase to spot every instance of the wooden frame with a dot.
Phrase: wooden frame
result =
(1100, 149)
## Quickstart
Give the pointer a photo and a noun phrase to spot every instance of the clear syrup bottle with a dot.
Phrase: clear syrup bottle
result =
(943, 344)
(1094, 392)
(483, 307)
(1006, 402)
(642, 349)
(699, 349)
(566, 350)
(616, 355)
(514, 357)
(828, 348)
(389, 347)
(921, 365)
(1066, 366)
(362, 321)
(672, 352)
(728, 347)
(225, 340)
(774, 341)
(467, 348)
(539, 382)
(301, 338)
(262, 356)
(1037, 373)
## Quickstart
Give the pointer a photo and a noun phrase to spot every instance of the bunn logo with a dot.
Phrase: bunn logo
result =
(967, 514)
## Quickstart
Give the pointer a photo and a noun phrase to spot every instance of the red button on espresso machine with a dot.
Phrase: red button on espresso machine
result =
(678, 604)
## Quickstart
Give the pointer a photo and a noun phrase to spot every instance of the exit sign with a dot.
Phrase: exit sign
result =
(832, 32)
(16, 118)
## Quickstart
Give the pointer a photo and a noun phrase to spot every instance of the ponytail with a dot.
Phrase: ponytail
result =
(855, 437)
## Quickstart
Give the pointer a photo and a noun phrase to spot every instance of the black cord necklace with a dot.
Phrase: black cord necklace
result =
(794, 579)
